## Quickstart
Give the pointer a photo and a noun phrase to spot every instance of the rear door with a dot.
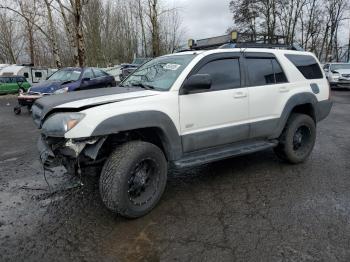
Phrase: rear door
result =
(267, 85)
(101, 78)
(216, 116)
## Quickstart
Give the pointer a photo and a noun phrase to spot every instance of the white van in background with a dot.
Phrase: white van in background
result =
(32, 74)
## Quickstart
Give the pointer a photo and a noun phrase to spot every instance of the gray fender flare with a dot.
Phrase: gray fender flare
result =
(295, 100)
(145, 119)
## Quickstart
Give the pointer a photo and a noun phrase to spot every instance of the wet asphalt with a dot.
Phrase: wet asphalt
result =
(250, 208)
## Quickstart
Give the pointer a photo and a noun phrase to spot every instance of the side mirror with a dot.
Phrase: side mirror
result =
(326, 70)
(85, 79)
(198, 82)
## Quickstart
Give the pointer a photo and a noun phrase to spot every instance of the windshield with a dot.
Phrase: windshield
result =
(140, 61)
(340, 66)
(159, 73)
(66, 75)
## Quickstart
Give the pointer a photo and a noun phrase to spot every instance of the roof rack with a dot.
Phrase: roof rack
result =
(242, 40)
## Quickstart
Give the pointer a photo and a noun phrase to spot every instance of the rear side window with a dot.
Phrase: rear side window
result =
(99, 73)
(264, 71)
(225, 73)
(307, 65)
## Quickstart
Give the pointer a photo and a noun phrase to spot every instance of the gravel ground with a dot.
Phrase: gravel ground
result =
(251, 208)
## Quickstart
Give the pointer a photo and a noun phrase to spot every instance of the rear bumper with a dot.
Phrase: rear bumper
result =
(323, 109)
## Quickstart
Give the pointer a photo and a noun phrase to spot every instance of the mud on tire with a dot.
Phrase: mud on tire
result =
(297, 139)
(133, 179)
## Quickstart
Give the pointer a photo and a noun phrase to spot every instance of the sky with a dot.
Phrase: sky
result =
(204, 18)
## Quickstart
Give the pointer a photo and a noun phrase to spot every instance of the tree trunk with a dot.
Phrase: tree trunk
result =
(31, 44)
(79, 33)
(70, 33)
(53, 34)
(143, 33)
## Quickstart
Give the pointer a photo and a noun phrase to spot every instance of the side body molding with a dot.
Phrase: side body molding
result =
(145, 119)
(295, 100)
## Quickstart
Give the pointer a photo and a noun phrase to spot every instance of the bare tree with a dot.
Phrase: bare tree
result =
(11, 44)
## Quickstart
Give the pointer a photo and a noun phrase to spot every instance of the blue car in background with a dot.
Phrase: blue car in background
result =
(66, 80)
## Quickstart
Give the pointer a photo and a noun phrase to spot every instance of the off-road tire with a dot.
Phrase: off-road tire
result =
(117, 171)
(286, 149)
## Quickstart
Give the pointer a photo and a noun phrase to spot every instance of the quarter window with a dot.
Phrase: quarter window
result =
(225, 73)
(307, 65)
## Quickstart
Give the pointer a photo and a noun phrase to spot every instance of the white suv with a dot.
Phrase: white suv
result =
(338, 74)
(182, 110)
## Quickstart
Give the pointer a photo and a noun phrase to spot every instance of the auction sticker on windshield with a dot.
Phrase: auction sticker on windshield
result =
(171, 66)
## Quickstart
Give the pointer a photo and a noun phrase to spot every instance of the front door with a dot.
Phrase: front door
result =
(217, 116)
(88, 80)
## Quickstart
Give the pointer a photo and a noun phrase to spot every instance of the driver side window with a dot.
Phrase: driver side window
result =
(225, 73)
(88, 73)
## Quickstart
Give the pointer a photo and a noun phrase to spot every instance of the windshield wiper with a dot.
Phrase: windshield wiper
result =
(67, 82)
(144, 86)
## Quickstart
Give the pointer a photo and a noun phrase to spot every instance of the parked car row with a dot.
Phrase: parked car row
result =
(65, 80)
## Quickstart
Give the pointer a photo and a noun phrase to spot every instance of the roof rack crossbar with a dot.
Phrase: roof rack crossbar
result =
(242, 40)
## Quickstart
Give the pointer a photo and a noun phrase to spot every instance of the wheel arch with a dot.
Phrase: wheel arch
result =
(304, 103)
(150, 126)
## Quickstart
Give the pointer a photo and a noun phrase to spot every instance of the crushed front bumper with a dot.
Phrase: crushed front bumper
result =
(60, 151)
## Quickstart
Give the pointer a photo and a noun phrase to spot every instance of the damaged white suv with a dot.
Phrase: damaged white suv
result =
(182, 110)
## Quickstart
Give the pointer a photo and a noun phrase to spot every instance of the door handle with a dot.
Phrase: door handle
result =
(240, 94)
(284, 89)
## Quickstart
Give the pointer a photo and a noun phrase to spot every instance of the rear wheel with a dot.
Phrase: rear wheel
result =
(298, 139)
(21, 90)
(133, 179)
(17, 110)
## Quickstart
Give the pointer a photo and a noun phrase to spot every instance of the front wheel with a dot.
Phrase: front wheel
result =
(297, 139)
(133, 179)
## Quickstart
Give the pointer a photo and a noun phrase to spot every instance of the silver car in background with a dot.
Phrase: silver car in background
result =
(338, 74)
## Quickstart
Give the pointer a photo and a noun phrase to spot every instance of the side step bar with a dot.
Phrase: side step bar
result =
(214, 154)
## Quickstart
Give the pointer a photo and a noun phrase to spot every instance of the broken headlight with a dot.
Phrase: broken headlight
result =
(58, 124)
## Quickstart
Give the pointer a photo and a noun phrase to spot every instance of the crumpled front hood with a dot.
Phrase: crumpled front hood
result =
(79, 100)
(47, 87)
